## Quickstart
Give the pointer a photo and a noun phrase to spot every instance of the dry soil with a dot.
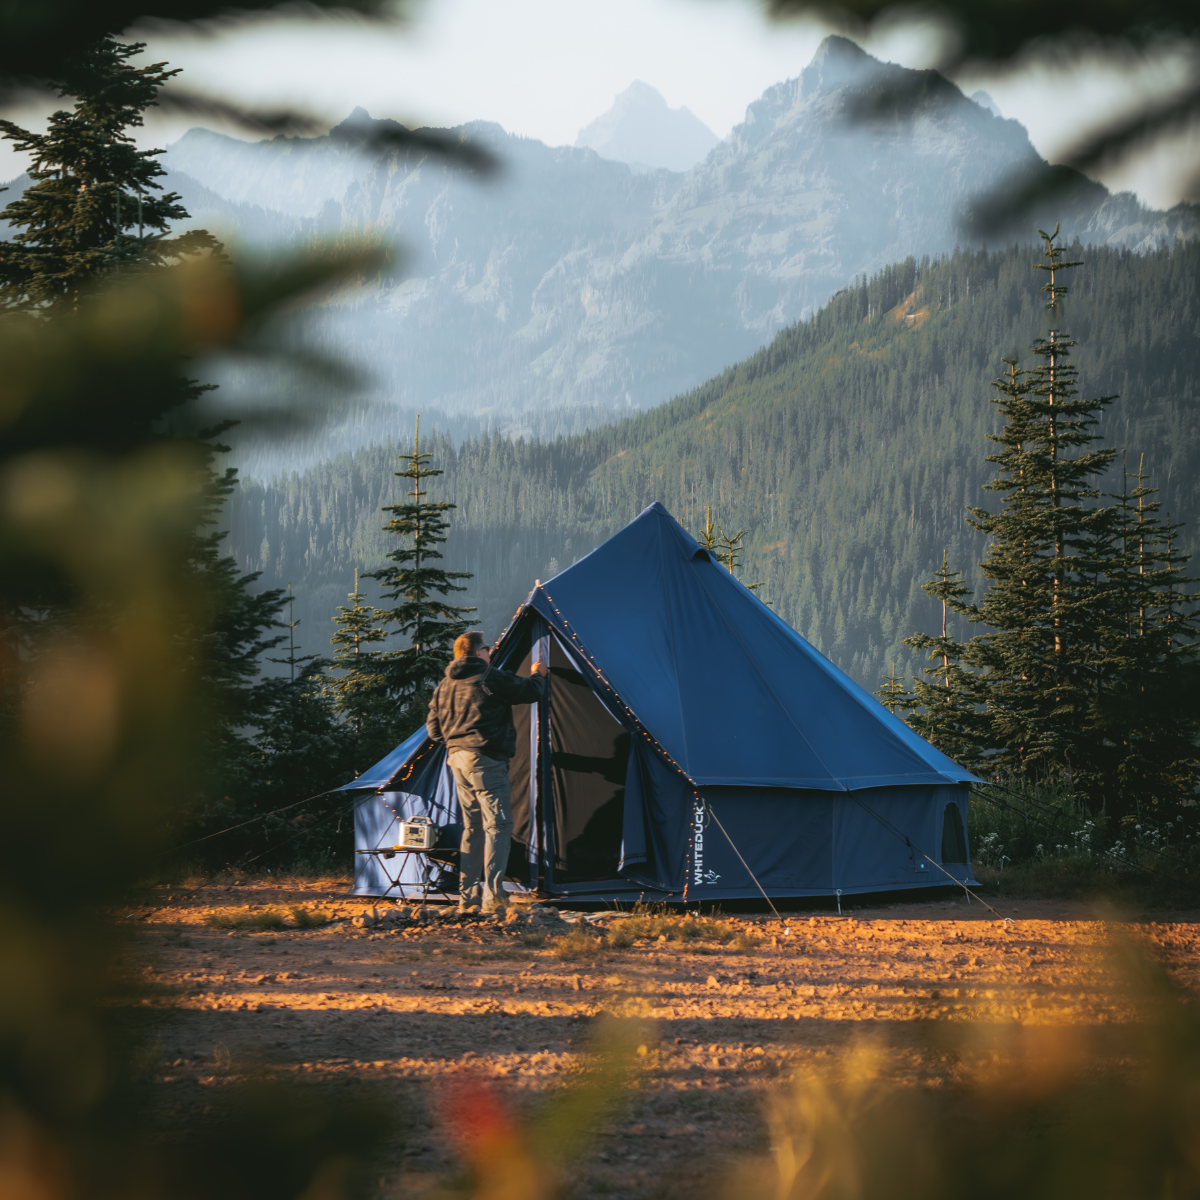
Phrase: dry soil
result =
(715, 1028)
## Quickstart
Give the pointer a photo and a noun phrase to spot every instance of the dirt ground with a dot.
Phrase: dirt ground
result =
(408, 1006)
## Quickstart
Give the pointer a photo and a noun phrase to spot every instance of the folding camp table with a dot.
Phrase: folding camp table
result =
(428, 857)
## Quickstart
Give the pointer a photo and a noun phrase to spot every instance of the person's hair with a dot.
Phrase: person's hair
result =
(467, 643)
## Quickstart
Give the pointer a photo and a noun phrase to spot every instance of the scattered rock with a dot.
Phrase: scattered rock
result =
(367, 919)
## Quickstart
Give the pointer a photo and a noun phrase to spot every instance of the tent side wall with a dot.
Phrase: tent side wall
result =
(796, 843)
(810, 843)
(377, 816)
(870, 853)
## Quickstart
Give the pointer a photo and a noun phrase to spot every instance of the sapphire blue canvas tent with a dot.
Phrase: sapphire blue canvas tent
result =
(690, 742)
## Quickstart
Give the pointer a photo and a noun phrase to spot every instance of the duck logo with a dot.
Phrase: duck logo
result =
(699, 874)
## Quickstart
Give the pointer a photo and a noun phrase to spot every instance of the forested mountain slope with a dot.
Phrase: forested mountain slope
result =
(847, 449)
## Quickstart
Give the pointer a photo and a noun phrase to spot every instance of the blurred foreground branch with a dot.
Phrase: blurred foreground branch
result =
(106, 697)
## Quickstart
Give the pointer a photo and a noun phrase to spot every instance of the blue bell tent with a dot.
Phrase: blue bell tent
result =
(691, 741)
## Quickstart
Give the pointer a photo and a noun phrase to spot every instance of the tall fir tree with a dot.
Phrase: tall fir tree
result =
(232, 627)
(417, 586)
(95, 201)
(1086, 671)
(1035, 662)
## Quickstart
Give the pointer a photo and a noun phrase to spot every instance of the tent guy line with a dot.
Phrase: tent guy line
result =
(787, 929)
(260, 817)
(913, 846)
(358, 800)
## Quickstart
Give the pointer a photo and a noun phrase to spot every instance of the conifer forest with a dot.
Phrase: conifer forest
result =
(849, 449)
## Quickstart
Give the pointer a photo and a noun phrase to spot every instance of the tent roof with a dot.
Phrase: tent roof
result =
(728, 691)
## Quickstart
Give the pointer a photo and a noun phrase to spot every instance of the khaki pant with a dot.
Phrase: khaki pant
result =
(486, 804)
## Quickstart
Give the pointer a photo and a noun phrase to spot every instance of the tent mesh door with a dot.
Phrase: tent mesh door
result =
(589, 756)
(519, 773)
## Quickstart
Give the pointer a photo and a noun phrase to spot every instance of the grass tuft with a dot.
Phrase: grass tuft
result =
(309, 918)
(578, 944)
(264, 921)
(652, 923)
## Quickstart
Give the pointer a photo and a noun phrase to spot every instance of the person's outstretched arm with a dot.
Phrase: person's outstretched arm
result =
(518, 690)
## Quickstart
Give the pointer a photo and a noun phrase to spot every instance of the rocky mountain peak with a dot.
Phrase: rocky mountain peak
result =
(359, 125)
(642, 130)
(838, 63)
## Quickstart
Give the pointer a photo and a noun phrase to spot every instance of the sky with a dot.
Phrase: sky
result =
(545, 68)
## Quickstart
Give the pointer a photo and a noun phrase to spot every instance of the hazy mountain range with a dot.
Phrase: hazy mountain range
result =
(571, 286)
(846, 450)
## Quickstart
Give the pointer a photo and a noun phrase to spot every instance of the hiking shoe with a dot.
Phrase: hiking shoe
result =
(495, 910)
(470, 910)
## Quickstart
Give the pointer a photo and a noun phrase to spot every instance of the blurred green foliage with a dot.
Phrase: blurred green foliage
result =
(127, 655)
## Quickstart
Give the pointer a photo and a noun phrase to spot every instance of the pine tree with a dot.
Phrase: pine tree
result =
(944, 704)
(293, 660)
(1146, 702)
(231, 629)
(429, 623)
(299, 750)
(892, 695)
(726, 548)
(359, 692)
(1086, 671)
(1035, 663)
(92, 187)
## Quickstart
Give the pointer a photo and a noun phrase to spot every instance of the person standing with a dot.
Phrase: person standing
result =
(471, 715)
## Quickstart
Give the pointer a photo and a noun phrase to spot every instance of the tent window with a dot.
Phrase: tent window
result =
(954, 841)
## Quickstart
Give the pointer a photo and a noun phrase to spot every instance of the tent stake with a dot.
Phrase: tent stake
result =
(839, 900)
